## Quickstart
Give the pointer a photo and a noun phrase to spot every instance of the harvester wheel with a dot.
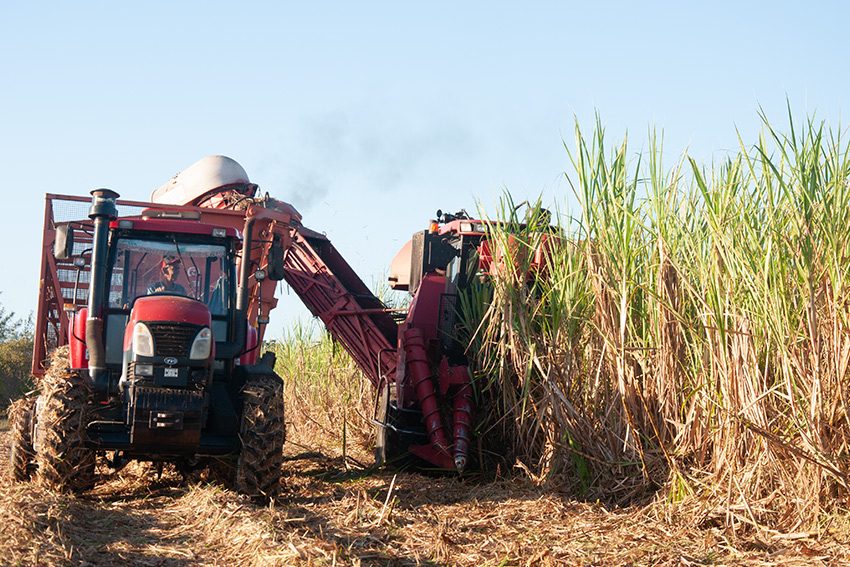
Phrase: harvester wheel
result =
(381, 434)
(64, 460)
(21, 453)
(397, 430)
(263, 433)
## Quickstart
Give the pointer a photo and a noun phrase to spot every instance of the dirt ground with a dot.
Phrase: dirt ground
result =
(333, 516)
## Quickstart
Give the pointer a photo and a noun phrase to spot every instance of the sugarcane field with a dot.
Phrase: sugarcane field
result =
(651, 372)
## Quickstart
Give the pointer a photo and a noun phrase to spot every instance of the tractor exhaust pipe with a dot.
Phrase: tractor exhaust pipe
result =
(102, 211)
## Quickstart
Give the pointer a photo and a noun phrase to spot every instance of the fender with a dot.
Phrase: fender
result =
(250, 355)
(79, 353)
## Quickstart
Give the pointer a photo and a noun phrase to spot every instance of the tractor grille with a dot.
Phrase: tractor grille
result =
(173, 340)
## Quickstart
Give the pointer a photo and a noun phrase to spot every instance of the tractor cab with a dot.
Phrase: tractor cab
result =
(170, 292)
(159, 334)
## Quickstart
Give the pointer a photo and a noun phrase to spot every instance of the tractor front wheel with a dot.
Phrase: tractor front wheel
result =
(65, 462)
(263, 433)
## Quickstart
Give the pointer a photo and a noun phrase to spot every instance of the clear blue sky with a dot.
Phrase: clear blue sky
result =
(368, 116)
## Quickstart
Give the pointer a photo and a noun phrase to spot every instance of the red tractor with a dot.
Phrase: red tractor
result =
(159, 314)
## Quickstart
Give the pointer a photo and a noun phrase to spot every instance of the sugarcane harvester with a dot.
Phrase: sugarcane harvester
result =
(413, 359)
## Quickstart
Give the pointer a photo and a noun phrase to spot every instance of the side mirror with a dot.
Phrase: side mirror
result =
(63, 245)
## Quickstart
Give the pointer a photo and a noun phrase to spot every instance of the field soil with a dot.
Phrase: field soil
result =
(332, 514)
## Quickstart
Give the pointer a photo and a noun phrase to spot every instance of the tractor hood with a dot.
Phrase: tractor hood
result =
(167, 309)
(170, 309)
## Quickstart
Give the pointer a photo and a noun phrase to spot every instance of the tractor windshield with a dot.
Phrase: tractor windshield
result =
(145, 267)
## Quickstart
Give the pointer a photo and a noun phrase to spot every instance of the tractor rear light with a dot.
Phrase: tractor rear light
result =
(466, 227)
(125, 224)
(144, 370)
(142, 340)
(202, 344)
(219, 232)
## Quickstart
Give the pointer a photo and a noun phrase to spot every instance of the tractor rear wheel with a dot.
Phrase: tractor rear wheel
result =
(65, 462)
(21, 453)
(263, 433)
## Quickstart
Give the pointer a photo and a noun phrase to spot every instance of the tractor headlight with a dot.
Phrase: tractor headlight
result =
(201, 345)
(144, 370)
(142, 340)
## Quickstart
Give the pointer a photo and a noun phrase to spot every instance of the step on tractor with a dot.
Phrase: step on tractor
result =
(151, 316)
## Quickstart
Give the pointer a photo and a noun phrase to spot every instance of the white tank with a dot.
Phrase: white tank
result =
(200, 179)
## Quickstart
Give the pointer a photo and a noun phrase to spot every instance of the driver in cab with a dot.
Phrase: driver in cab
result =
(169, 267)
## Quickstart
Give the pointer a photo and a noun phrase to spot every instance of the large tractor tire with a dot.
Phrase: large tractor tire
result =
(65, 462)
(21, 453)
(263, 433)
